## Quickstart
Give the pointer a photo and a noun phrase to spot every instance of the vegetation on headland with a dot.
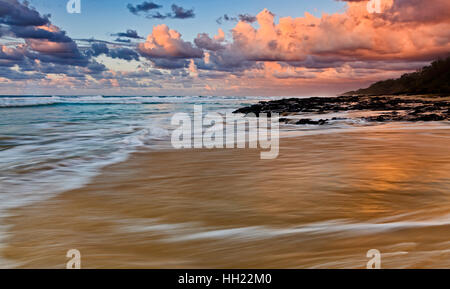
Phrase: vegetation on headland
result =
(432, 79)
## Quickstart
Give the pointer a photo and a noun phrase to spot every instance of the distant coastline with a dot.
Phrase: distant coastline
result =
(420, 96)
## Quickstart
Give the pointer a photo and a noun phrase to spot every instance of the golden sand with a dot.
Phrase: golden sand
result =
(323, 203)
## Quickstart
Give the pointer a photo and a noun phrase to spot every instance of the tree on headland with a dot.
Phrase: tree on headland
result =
(432, 79)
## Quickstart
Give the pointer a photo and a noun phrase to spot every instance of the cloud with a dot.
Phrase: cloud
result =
(158, 15)
(167, 43)
(50, 44)
(355, 35)
(241, 17)
(164, 63)
(127, 54)
(178, 12)
(93, 40)
(181, 13)
(45, 55)
(40, 32)
(124, 53)
(12, 12)
(10, 56)
(247, 18)
(419, 11)
(128, 34)
(342, 49)
(203, 41)
(18, 75)
(98, 49)
(123, 40)
(43, 41)
(143, 7)
(226, 18)
(42, 49)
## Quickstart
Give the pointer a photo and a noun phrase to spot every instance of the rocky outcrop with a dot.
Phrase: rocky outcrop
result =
(389, 108)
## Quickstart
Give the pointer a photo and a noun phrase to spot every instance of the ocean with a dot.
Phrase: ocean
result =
(50, 144)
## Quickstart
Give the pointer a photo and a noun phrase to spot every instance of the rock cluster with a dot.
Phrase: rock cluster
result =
(389, 108)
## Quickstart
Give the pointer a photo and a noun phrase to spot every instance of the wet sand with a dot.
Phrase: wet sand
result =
(323, 203)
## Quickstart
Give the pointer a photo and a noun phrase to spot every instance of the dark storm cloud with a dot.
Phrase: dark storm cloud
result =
(93, 69)
(42, 48)
(43, 41)
(157, 15)
(12, 12)
(32, 32)
(96, 68)
(98, 49)
(129, 34)
(170, 63)
(181, 13)
(67, 54)
(18, 75)
(143, 7)
(178, 12)
(124, 53)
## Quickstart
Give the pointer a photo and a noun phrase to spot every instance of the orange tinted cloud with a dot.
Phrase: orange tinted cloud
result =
(334, 52)
(355, 34)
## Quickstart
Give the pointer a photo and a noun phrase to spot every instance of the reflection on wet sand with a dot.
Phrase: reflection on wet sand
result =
(323, 203)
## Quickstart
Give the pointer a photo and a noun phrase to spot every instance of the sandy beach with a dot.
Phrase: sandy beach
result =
(323, 203)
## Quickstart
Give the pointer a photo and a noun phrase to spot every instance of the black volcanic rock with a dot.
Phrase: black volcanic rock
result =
(309, 121)
(388, 108)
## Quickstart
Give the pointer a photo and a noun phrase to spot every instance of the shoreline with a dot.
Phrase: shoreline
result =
(172, 206)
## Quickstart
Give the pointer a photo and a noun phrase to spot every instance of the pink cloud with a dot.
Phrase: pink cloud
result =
(167, 43)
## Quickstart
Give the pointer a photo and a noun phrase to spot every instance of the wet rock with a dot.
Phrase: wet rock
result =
(412, 109)
(429, 117)
(311, 122)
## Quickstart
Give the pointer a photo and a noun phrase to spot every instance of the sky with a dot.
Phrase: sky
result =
(200, 47)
